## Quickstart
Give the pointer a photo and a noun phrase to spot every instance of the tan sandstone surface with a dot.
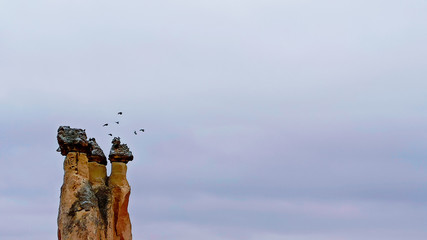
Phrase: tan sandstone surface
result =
(92, 205)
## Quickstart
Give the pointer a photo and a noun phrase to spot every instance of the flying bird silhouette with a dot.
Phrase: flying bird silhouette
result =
(135, 132)
(142, 130)
(110, 134)
(105, 125)
(117, 122)
(120, 113)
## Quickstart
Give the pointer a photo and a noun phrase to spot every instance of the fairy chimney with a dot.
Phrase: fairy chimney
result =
(92, 205)
(119, 156)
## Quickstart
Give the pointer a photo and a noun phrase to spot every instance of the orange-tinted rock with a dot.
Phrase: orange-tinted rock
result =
(79, 214)
(120, 190)
(92, 205)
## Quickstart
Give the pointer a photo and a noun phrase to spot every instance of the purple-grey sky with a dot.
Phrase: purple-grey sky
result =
(265, 120)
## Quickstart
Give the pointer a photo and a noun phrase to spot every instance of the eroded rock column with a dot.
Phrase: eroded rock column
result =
(119, 156)
(98, 179)
(79, 215)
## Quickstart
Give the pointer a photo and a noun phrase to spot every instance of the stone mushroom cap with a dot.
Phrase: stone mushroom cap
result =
(95, 153)
(72, 140)
(119, 152)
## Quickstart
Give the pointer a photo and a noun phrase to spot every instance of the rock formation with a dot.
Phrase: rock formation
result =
(92, 205)
(120, 189)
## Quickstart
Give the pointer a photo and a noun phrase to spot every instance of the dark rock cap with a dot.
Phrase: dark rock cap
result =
(72, 140)
(120, 152)
(95, 153)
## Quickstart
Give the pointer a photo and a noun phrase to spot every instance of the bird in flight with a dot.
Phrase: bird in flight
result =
(142, 130)
(117, 122)
(135, 132)
(110, 134)
(120, 113)
(105, 125)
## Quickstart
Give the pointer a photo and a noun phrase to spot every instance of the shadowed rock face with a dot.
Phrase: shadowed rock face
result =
(72, 140)
(96, 154)
(120, 152)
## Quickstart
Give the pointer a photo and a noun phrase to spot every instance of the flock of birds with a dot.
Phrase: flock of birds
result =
(118, 122)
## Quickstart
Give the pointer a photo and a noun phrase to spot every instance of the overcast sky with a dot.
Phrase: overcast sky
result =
(265, 119)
